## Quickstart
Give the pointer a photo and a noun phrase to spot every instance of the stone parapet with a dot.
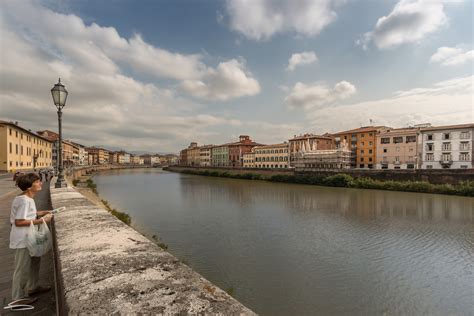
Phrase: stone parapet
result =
(104, 266)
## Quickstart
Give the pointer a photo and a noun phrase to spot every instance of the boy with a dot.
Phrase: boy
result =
(23, 212)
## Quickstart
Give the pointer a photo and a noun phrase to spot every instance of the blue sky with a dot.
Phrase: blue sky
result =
(156, 75)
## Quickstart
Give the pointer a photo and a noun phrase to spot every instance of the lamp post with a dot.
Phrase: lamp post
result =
(59, 94)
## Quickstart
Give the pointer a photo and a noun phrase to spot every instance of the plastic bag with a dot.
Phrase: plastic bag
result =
(38, 240)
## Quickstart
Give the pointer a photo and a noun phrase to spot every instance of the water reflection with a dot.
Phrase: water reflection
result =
(303, 250)
(360, 204)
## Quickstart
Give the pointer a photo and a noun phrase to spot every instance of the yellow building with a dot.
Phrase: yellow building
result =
(271, 156)
(248, 160)
(98, 156)
(21, 149)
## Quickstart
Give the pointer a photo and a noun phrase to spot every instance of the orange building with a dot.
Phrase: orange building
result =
(363, 144)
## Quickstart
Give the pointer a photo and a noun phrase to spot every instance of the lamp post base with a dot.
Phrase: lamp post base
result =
(60, 183)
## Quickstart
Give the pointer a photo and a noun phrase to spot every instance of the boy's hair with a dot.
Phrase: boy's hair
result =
(24, 182)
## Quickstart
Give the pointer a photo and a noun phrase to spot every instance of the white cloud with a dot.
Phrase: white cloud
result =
(105, 105)
(304, 58)
(445, 103)
(261, 19)
(452, 56)
(311, 96)
(229, 80)
(409, 21)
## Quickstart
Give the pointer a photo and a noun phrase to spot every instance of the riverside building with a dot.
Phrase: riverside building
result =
(238, 149)
(308, 142)
(397, 148)
(325, 159)
(205, 155)
(248, 159)
(97, 155)
(447, 147)
(362, 143)
(21, 149)
(271, 156)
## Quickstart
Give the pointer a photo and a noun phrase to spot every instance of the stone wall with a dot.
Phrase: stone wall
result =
(104, 267)
(435, 176)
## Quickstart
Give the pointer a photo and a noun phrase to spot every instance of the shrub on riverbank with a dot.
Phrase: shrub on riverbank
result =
(124, 217)
(346, 181)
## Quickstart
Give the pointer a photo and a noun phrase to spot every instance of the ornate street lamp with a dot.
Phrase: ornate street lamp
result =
(59, 94)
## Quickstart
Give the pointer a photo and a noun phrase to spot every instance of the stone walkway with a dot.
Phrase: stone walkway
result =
(46, 302)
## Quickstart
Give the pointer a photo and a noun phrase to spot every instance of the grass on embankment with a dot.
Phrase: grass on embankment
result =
(124, 217)
(465, 188)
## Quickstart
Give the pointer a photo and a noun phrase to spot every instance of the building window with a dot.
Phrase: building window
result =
(10, 148)
(385, 140)
(370, 159)
(446, 136)
(10, 135)
(361, 165)
(362, 144)
(411, 139)
(370, 143)
(429, 147)
(429, 137)
(16, 135)
(362, 135)
(385, 150)
(464, 157)
(429, 157)
(362, 159)
(446, 146)
(397, 140)
(361, 151)
(370, 151)
(16, 149)
(429, 167)
(446, 157)
(370, 134)
(464, 135)
(463, 167)
(410, 166)
(464, 146)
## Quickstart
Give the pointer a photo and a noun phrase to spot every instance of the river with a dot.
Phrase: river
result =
(288, 249)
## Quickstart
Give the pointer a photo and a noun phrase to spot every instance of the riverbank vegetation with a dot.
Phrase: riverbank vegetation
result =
(124, 217)
(465, 188)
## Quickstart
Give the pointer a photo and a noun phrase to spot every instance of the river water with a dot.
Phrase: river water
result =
(288, 249)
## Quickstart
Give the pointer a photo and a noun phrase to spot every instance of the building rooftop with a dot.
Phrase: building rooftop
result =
(15, 124)
(272, 145)
(438, 128)
(363, 129)
(307, 136)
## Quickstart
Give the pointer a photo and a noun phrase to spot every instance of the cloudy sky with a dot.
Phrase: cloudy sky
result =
(156, 75)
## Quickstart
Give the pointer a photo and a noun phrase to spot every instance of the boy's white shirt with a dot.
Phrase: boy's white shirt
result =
(23, 207)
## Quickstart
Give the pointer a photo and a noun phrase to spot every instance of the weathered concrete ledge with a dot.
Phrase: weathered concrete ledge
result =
(107, 267)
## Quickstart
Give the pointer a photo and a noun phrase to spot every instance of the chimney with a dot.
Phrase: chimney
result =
(16, 122)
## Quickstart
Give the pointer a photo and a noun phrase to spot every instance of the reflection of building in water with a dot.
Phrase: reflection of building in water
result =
(362, 204)
(330, 159)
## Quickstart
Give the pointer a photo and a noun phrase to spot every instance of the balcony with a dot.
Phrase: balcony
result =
(445, 162)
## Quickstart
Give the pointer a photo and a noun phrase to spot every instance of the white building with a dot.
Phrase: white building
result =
(123, 158)
(447, 147)
(205, 155)
(325, 159)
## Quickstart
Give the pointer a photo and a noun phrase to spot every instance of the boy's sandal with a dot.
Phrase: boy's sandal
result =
(23, 304)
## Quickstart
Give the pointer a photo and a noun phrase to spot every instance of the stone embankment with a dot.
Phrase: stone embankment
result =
(104, 266)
